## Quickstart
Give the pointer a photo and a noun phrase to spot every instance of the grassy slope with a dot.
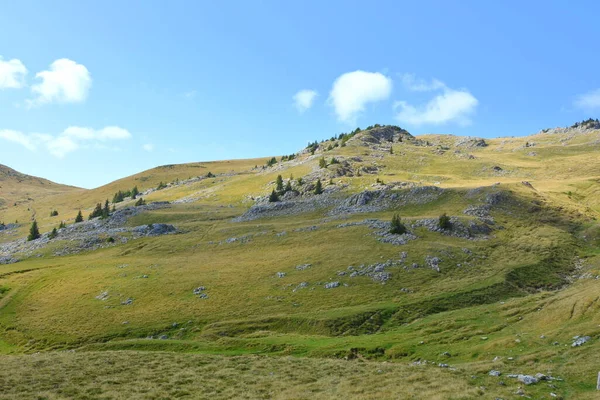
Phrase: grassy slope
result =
(250, 310)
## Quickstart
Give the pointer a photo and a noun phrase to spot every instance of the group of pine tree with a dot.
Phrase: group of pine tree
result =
(100, 211)
(280, 189)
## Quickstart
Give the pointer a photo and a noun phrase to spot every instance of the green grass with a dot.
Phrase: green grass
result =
(518, 284)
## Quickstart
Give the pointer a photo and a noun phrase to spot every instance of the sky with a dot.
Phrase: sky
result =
(94, 91)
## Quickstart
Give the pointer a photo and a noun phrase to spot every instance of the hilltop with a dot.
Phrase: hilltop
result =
(496, 269)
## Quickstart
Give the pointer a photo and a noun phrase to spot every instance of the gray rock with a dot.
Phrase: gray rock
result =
(579, 341)
(494, 373)
(281, 274)
(527, 379)
(332, 285)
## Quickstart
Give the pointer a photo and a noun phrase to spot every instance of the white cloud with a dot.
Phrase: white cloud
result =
(65, 82)
(413, 84)
(107, 133)
(71, 139)
(588, 101)
(148, 147)
(304, 99)
(12, 74)
(448, 106)
(352, 91)
(17, 137)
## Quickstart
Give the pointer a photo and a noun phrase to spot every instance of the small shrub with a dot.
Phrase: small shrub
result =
(53, 213)
(210, 175)
(322, 162)
(140, 202)
(53, 234)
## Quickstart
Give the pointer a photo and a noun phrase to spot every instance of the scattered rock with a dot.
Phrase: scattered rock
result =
(332, 285)
(579, 341)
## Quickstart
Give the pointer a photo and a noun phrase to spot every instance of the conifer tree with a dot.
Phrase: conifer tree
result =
(97, 211)
(322, 162)
(444, 222)
(106, 210)
(53, 234)
(288, 186)
(279, 184)
(62, 225)
(134, 192)
(273, 197)
(79, 217)
(318, 187)
(34, 232)
(397, 226)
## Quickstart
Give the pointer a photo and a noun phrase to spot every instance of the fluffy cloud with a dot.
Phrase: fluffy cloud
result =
(104, 134)
(12, 74)
(67, 141)
(352, 91)
(148, 147)
(448, 106)
(588, 101)
(65, 82)
(304, 99)
(17, 137)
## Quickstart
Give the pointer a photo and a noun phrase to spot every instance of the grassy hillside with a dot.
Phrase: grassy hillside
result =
(19, 191)
(507, 287)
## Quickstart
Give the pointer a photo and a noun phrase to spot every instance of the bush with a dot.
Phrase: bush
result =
(444, 222)
(53, 234)
(397, 227)
(210, 175)
(322, 162)
(140, 202)
(62, 225)
(334, 160)
(288, 185)
(161, 185)
(273, 197)
(34, 232)
(53, 213)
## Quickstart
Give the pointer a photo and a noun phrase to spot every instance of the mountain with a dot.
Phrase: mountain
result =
(496, 271)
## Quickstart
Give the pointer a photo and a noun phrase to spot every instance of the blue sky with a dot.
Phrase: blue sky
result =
(94, 91)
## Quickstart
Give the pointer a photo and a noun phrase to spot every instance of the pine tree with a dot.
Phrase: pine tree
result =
(97, 211)
(322, 162)
(140, 202)
(273, 197)
(288, 186)
(279, 184)
(62, 225)
(134, 192)
(397, 227)
(79, 217)
(106, 210)
(444, 222)
(34, 232)
(53, 234)
(318, 187)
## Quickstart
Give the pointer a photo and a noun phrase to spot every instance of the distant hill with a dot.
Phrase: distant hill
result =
(18, 188)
